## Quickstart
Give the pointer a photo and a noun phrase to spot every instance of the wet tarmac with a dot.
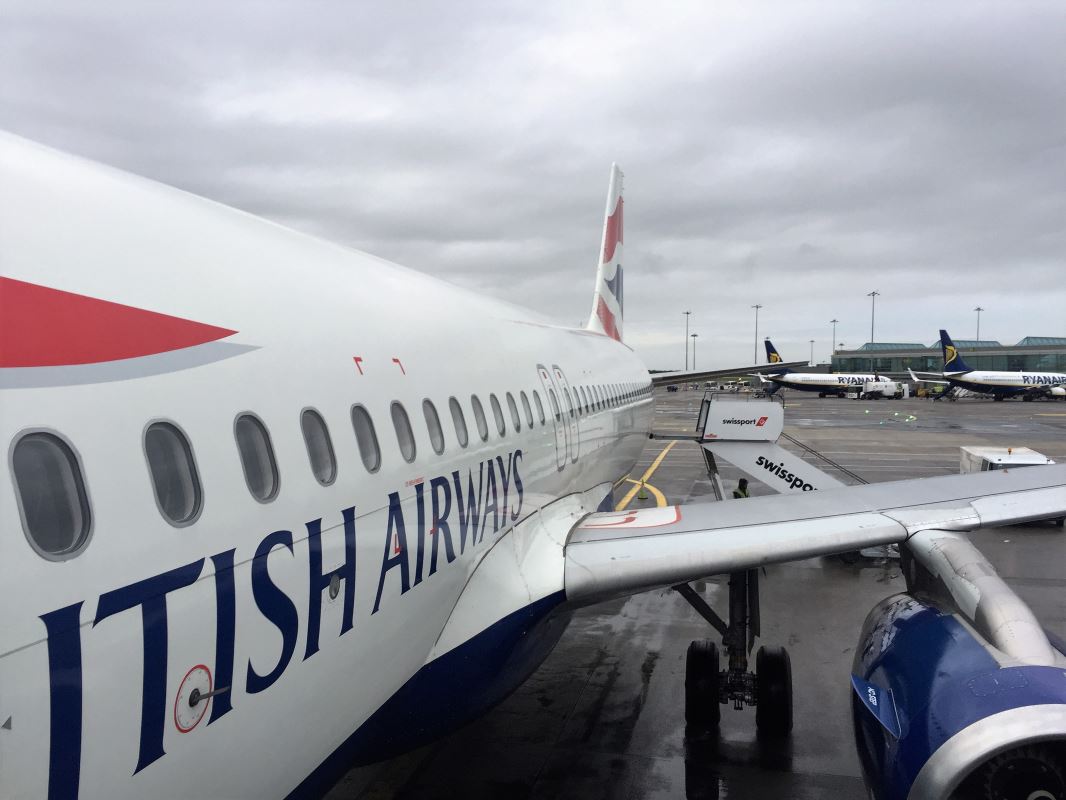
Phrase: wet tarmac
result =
(604, 715)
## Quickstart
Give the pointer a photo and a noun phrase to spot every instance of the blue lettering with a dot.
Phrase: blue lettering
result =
(151, 595)
(319, 582)
(225, 631)
(515, 460)
(470, 513)
(276, 606)
(490, 485)
(420, 512)
(399, 557)
(440, 528)
(64, 707)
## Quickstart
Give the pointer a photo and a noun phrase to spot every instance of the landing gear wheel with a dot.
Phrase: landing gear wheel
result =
(1027, 398)
(998, 398)
(773, 691)
(821, 394)
(701, 684)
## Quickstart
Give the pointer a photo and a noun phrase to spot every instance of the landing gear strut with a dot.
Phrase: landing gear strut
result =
(707, 687)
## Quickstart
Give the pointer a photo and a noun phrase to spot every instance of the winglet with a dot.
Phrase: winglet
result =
(607, 304)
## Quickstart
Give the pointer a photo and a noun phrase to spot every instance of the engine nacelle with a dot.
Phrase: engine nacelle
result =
(957, 692)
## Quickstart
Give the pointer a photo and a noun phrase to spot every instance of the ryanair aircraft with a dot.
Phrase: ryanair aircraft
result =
(825, 383)
(999, 384)
(274, 507)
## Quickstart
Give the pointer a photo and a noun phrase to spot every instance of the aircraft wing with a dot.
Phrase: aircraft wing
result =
(916, 379)
(617, 553)
(660, 378)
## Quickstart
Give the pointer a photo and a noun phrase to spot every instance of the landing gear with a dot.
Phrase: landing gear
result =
(998, 398)
(701, 684)
(773, 691)
(707, 688)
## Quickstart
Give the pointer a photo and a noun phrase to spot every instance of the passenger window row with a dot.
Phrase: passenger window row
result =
(54, 501)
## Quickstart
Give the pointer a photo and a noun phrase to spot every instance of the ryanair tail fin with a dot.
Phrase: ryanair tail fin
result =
(952, 360)
(772, 356)
(607, 304)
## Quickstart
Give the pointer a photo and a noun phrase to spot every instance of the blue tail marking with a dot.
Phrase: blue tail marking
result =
(952, 360)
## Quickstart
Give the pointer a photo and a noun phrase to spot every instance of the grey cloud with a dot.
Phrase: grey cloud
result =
(795, 155)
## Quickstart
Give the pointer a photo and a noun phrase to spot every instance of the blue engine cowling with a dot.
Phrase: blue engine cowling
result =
(938, 716)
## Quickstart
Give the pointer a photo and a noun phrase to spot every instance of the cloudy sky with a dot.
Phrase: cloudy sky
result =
(793, 155)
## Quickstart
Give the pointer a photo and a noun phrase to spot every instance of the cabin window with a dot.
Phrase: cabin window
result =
(405, 437)
(319, 446)
(527, 409)
(51, 494)
(366, 438)
(497, 414)
(459, 421)
(555, 405)
(257, 457)
(173, 472)
(513, 407)
(436, 435)
(479, 418)
(539, 405)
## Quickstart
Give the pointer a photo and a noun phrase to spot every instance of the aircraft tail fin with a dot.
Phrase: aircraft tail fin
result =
(772, 356)
(952, 360)
(607, 304)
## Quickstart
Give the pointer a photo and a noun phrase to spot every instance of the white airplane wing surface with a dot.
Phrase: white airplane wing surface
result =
(617, 553)
(933, 379)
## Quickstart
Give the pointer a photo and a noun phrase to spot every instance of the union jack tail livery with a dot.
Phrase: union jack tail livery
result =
(607, 304)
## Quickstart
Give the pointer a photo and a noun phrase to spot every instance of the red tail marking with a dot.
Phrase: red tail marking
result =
(607, 320)
(43, 327)
(614, 233)
(396, 361)
(358, 363)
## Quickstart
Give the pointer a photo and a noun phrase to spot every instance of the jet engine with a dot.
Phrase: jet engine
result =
(957, 691)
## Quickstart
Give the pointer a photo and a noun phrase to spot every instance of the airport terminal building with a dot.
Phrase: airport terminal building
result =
(1031, 354)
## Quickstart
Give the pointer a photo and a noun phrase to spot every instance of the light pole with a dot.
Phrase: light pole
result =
(833, 343)
(694, 351)
(812, 352)
(756, 307)
(979, 310)
(686, 313)
(873, 306)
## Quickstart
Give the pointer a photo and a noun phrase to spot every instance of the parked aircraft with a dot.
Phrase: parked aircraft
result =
(998, 383)
(825, 383)
(273, 507)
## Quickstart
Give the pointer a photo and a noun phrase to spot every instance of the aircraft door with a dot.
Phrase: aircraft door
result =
(570, 410)
(554, 411)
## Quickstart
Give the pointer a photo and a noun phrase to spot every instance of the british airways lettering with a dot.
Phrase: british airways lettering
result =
(496, 493)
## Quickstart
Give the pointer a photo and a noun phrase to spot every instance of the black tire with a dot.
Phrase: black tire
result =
(998, 398)
(701, 684)
(821, 394)
(773, 692)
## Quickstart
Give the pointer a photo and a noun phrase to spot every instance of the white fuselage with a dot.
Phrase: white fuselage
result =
(91, 696)
(1006, 383)
(822, 382)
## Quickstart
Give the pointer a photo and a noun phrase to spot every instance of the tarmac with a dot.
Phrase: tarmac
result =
(604, 715)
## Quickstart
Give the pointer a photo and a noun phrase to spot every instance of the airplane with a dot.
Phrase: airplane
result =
(273, 508)
(835, 383)
(998, 383)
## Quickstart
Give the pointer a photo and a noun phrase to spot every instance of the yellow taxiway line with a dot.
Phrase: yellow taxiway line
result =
(643, 479)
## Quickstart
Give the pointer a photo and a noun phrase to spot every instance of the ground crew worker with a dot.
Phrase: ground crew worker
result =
(742, 490)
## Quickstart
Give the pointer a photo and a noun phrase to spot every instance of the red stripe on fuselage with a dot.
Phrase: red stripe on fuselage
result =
(613, 234)
(607, 320)
(43, 327)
